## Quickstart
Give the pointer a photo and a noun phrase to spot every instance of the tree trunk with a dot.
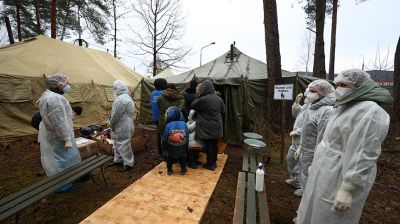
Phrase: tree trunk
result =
(9, 31)
(53, 19)
(319, 53)
(115, 28)
(17, 6)
(333, 41)
(155, 43)
(273, 56)
(64, 29)
(37, 12)
(396, 87)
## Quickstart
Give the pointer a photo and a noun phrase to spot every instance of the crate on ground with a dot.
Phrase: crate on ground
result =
(139, 142)
(86, 147)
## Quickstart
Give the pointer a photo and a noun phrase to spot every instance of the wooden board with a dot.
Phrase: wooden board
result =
(159, 198)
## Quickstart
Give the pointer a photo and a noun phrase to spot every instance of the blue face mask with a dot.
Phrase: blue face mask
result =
(67, 89)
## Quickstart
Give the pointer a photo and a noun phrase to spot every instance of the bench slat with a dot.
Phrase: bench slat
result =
(239, 201)
(251, 199)
(49, 183)
(23, 202)
(245, 165)
(263, 207)
(40, 183)
(253, 163)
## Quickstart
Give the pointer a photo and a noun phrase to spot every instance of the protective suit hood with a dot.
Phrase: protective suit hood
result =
(370, 91)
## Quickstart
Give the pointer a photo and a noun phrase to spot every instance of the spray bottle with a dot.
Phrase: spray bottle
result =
(260, 178)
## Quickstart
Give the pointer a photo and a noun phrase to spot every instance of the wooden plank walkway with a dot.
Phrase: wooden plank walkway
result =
(159, 198)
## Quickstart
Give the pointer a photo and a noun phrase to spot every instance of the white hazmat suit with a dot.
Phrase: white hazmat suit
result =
(121, 122)
(293, 164)
(313, 127)
(344, 166)
(58, 149)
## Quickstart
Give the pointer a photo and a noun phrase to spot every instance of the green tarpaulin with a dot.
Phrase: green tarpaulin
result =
(243, 85)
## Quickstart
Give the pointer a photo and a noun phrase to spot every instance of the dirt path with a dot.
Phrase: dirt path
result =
(20, 167)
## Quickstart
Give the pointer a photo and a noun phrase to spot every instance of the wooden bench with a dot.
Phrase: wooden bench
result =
(250, 206)
(250, 161)
(18, 201)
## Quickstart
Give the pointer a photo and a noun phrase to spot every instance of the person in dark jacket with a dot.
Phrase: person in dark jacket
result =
(160, 84)
(170, 97)
(37, 117)
(209, 126)
(175, 139)
(190, 95)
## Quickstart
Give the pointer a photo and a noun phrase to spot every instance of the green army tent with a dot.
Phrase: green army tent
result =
(242, 81)
(91, 74)
(164, 74)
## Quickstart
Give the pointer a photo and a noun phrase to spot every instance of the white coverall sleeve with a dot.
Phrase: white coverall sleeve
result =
(323, 121)
(295, 109)
(58, 119)
(364, 147)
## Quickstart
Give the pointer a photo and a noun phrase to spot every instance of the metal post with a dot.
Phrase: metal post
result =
(201, 50)
(283, 124)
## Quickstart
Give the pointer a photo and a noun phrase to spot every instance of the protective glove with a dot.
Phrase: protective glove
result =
(191, 113)
(293, 133)
(191, 126)
(298, 98)
(297, 153)
(108, 123)
(68, 144)
(343, 197)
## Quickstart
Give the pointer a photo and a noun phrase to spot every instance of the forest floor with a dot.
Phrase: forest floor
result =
(20, 167)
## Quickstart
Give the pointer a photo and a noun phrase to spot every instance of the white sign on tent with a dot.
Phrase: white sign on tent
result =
(283, 92)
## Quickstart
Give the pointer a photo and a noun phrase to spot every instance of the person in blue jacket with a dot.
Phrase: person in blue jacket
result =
(160, 84)
(175, 139)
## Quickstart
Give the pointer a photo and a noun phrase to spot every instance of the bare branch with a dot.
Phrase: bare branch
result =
(161, 34)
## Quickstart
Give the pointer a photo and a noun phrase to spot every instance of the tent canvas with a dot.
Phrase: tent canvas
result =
(164, 74)
(242, 81)
(91, 74)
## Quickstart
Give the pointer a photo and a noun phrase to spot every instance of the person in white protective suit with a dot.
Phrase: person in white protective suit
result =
(298, 112)
(121, 123)
(58, 149)
(194, 146)
(344, 166)
(320, 98)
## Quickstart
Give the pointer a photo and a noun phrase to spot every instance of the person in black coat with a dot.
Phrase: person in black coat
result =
(190, 95)
(209, 126)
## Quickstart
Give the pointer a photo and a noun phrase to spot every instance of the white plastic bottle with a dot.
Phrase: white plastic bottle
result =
(260, 178)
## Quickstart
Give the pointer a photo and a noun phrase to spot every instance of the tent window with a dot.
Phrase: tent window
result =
(109, 91)
(15, 90)
(74, 96)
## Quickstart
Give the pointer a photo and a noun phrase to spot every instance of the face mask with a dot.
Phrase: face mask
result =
(340, 92)
(67, 89)
(311, 98)
(306, 92)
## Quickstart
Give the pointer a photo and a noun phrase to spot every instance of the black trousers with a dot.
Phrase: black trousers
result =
(170, 162)
(211, 149)
(192, 157)
(158, 139)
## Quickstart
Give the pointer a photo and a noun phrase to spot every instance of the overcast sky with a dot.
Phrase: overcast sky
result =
(360, 29)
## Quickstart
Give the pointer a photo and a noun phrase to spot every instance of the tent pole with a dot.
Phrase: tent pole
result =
(283, 124)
